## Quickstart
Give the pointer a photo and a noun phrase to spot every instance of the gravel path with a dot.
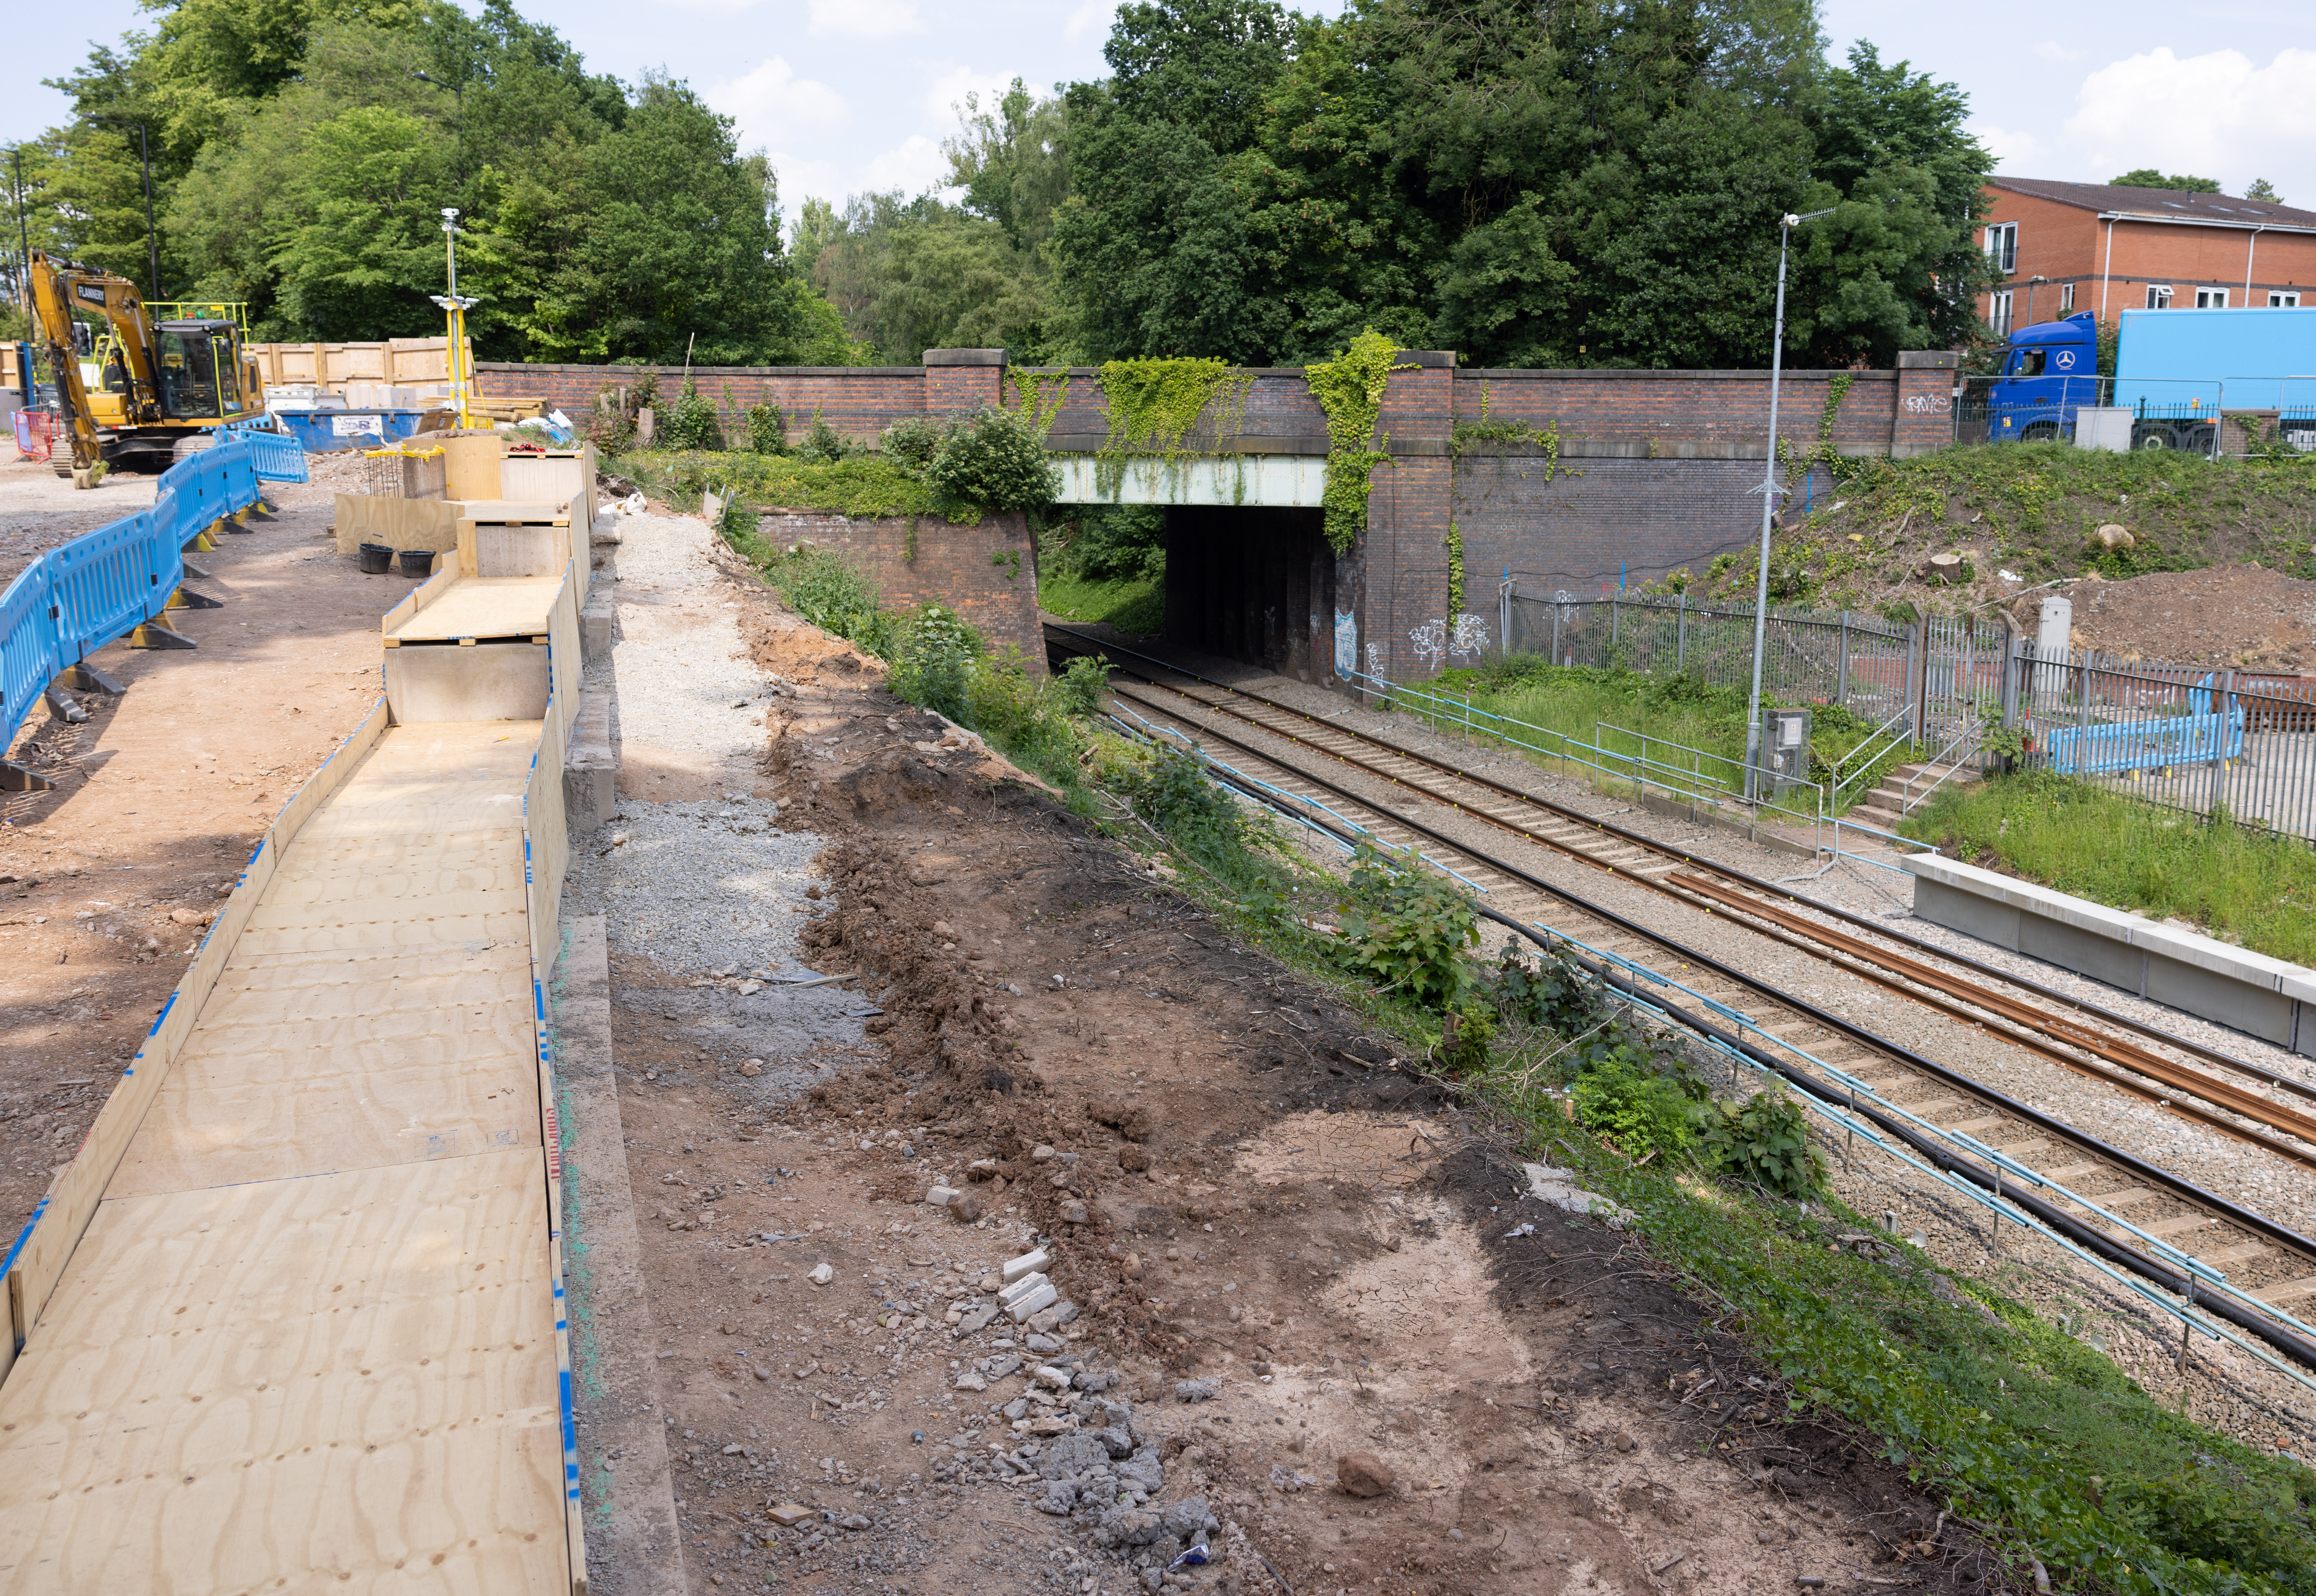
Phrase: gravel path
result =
(697, 884)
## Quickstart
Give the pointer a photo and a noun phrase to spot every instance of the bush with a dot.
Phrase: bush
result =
(1079, 688)
(1407, 928)
(832, 595)
(822, 446)
(1464, 1040)
(768, 430)
(994, 460)
(1765, 1140)
(912, 443)
(932, 661)
(1642, 1113)
(690, 424)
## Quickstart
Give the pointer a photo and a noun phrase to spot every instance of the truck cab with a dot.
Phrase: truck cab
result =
(2049, 370)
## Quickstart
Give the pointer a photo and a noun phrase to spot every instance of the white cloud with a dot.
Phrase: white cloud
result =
(2216, 115)
(916, 166)
(946, 96)
(1093, 14)
(803, 179)
(2011, 147)
(2051, 50)
(863, 19)
(730, 7)
(772, 104)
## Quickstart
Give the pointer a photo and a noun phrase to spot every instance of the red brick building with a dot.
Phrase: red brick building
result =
(2064, 247)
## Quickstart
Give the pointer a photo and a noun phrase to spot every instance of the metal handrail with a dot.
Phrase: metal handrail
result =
(1839, 782)
(1909, 798)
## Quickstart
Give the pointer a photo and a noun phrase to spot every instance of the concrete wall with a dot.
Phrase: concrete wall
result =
(987, 573)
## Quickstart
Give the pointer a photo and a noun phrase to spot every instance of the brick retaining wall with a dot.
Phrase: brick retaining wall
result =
(987, 573)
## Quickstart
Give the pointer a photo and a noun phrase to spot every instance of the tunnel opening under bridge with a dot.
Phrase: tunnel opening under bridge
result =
(1252, 584)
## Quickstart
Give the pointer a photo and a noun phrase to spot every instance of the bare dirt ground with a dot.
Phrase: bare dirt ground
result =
(40, 509)
(1238, 1189)
(107, 880)
(2239, 615)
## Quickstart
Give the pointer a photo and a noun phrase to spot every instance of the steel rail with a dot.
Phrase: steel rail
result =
(1665, 850)
(2064, 1226)
(2176, 1077)
(2176, 1186)
(2175, 1101)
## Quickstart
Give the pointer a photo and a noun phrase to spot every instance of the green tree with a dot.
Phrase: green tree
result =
(2261, 189)
(366, 247)
(912, 275)
(2147, 177)
(1012, 160)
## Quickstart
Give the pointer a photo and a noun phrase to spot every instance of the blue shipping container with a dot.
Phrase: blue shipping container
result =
(2234, 359)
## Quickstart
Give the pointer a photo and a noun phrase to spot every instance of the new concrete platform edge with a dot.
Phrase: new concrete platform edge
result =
(628, 1501)
(2245, 991)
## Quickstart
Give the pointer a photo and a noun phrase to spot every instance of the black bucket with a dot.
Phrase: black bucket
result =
(376, 558)
(416, 562)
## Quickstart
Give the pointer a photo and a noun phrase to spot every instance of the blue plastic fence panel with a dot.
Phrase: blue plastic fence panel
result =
(28, 647)
(279, 457)
(112, 578)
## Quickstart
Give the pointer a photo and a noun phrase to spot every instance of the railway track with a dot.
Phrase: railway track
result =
(2129, 1209)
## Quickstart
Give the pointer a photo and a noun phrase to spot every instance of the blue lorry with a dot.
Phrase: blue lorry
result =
(2175, 372)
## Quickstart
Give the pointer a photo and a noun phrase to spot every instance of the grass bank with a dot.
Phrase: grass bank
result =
(1699, 726)
(1130, 604)
(1858, 532)
(2246, 886)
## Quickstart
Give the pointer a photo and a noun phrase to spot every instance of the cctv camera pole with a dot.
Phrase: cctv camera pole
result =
(1785, 225)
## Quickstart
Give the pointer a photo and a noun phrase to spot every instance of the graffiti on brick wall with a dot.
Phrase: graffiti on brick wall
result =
(1429, 642)
(1469, 640)
(1347, 642)
(1375, 659)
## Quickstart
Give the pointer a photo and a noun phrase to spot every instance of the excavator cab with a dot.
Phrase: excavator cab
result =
(198, 366)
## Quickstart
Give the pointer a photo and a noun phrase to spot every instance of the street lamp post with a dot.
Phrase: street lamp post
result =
(1785, 225)
(152, 241)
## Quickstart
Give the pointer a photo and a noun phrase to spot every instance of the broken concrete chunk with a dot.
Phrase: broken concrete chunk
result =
(965, 1208)
(1034, 1293)
(1090, 1381)
(788, 1515)
(1041, 1153)
(970, 1381)
(1047, 1375)
(1060, 1498)
(1558, 1188)
(977, 1320)
(1018, 1408)
(822, 1274)
(1035, 1263)
(1002, 1365)
(1041, 1344)
(1066, 1457)
(1194, 1390)
(1187, 1517)
(1064, 1312)
(942, 1196)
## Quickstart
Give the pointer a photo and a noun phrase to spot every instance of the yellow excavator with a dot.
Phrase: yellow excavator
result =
(165, 386)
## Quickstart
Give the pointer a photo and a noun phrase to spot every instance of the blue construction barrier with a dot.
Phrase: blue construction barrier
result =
(77, 597)
(2159, 743)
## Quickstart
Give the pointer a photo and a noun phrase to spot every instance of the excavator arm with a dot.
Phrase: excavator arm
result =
(52, 285)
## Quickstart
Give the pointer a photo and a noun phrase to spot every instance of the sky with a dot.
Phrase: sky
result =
(848, 95)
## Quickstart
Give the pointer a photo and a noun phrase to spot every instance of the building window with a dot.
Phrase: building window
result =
(2277, 301)
(2002, 247)
(2159, 297)
(2066, 298)
(2211, 298)
(1998, 312)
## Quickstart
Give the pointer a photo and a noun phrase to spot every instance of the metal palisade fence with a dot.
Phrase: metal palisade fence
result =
(2196, 739)
(1860, 661)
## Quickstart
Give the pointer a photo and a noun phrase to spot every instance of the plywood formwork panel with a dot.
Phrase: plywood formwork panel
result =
(310, 1336)
(343, 1380)
(483, 607)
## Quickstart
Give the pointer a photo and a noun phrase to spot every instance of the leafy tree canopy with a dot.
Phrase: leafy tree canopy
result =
(2147, 177)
